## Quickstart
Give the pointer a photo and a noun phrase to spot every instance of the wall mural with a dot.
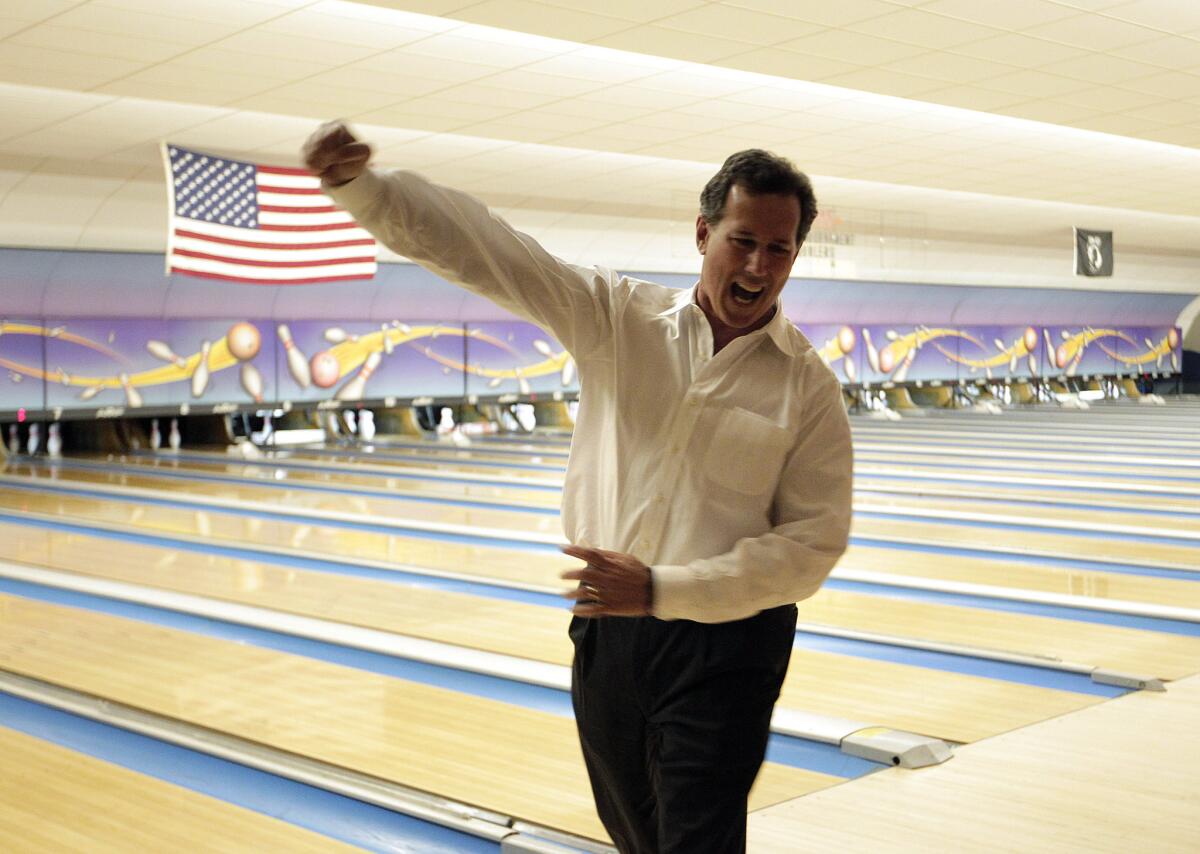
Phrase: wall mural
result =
(108, 367)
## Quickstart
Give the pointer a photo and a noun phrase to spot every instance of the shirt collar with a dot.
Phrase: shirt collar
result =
(776, 328)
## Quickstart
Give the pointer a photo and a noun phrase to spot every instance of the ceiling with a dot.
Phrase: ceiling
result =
(973, 120)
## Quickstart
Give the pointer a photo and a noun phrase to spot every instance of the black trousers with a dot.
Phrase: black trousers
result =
(673, 718)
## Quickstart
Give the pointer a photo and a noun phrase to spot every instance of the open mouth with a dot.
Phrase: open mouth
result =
(746, 295)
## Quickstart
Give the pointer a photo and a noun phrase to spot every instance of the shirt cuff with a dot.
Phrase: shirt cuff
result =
(674, 587)
(355, 193)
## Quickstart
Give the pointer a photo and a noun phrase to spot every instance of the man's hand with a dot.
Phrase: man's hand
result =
(334, 154)
(611, 585)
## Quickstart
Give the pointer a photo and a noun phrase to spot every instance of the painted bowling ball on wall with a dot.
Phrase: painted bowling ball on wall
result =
(1031, 339)
(1061, 357)
(1173, 338)
(846, 339)
(243, 340)
(325, 369)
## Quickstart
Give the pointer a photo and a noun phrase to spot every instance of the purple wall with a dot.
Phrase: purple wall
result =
(76, 323)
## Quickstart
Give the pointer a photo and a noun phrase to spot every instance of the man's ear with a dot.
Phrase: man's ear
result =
(701, 233)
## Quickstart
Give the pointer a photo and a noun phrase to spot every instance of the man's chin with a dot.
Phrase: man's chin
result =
(744, 318)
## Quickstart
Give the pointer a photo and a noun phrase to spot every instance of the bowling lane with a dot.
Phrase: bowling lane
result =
(266, 499)
(522, 630)
(433, 453)
(55, 799)
(951, 706)
(1150, 468)
(994, 511)
(1010, 575)
(1023, 499)
(868, 479)
(358, 479)
(1098, 549)
(360, 506)
(514, 760)
(1108, 444)
(526, 567)
(362, 463)
(500, 524)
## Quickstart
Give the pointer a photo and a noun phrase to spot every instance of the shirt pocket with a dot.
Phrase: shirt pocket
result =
(746, 452)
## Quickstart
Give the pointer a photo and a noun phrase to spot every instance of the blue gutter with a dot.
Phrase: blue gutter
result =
(811, 755)
(336, 816)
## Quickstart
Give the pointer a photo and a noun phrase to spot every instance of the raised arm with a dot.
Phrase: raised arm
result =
(455, 236)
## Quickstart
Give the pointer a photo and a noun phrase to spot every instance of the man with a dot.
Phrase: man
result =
(708, 488)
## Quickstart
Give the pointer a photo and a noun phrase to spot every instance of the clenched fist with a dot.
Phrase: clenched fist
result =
(334, 154)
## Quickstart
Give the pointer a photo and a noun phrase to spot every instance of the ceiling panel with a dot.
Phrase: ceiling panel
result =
(983, 120)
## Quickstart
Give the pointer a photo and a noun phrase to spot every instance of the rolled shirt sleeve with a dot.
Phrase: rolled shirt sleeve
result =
(455, 236)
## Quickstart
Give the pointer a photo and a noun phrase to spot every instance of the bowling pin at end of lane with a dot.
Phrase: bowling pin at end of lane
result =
(54, 441)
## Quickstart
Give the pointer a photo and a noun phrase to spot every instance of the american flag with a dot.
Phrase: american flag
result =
(246, 222)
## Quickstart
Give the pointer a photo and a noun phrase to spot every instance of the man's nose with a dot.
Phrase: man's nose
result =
(756, 262)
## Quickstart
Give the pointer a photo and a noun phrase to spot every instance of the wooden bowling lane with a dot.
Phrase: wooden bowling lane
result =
(367, 464)
(517, 452)
(344, 479)
(406, 502)
(515, 525)
(431, 453)
(1116, 778)
(951, 706)
(867, 487)
(1101, 549)
(1068, 518)
(513, 760)
(1020, 461)
(538, 633)
(1018, 576)
(525, 568)
(1103, 445)
(900, 498)
(55, 799)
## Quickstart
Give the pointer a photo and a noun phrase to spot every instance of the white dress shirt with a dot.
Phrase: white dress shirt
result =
(728, 474)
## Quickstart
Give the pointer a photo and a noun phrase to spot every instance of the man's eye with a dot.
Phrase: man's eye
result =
(743, 242)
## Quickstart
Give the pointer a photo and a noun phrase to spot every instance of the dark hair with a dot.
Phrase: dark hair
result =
(760, 172)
